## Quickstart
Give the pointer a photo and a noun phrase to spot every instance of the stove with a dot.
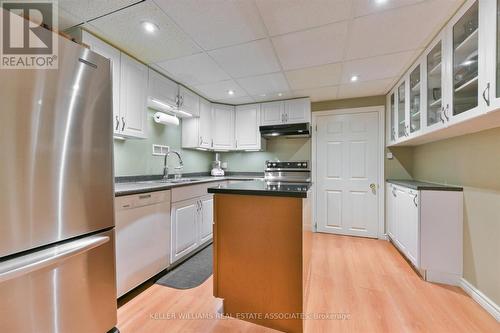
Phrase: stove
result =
(293, 173)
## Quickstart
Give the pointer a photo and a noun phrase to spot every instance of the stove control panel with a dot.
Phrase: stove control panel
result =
(287, 165)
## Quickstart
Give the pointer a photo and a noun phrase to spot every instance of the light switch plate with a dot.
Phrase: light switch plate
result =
(389, 156)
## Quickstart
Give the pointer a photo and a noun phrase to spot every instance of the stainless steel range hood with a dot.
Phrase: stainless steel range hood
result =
(288, 130)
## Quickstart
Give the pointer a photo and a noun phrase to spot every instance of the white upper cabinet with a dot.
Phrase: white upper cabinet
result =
(197, 132)
(458, 91)
(189, 101)
(465, 31)
(272, 113)
(162, 90)
(222, 127)
(291, 111)
(113, 55)
(297, 111)
(133, 96)
(247, 121)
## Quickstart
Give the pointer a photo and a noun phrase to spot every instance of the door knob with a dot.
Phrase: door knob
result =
(373, 187)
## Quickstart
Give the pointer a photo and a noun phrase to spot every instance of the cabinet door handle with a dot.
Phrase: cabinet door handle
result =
(441, 115)
(487, 97)
(236, 143)
(200, 141)
(123, 124)
(286, 117)
(117, 123)
(415, 200)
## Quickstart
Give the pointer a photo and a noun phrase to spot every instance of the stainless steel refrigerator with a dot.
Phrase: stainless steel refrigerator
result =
(57, 259)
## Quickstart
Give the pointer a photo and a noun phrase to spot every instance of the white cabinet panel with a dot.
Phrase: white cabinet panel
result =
(247, 121)
(197, 132)
(184, 228)
(206, 218)
(189, 102)
(413, 232)
(222, 127)
(114, 56)
(390, 203)
(133, 95)
(297, 111)
(162, 89)
(272, 113)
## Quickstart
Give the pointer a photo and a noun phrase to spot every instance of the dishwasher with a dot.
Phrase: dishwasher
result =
(142, 238)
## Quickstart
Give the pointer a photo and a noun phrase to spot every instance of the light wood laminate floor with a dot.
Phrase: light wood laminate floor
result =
(365, 280)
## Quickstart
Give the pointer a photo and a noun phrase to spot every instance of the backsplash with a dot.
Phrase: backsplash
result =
(134, 157)
(284, 149)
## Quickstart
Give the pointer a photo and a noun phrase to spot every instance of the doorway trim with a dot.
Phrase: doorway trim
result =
(380, 109)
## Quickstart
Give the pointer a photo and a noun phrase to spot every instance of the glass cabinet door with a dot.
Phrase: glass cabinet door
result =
(415, 100)
(401, 111)
(393, 115)
(465, 61)
(434, 84)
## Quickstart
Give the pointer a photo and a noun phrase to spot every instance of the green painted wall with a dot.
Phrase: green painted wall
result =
(472, 161)
(134, 156)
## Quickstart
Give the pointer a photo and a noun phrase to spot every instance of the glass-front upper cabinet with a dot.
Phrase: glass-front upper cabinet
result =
(401, 115)
(415, 100)
(490, 89)
(392, 117)
(434, 69)
(465, 62)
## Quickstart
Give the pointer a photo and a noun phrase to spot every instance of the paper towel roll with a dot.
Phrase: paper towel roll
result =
(165, 119)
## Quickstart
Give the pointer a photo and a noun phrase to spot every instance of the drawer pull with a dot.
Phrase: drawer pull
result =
(145, 196)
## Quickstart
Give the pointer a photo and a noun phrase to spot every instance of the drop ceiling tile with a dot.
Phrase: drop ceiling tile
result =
(89, 9)
(67, 20)
(313, 77)
(215, 24)
(281, 17)
(274, 96)
(366, 88)
(247, 59)
(124, 29)
(219, 90)
(375, 68)
(264, 84)
(195, 69)
(237, 100)
(312, 47)
(318, 94)
(366, 7)
(397, 30)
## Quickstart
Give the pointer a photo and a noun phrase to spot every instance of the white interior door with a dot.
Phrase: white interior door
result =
(347, 168)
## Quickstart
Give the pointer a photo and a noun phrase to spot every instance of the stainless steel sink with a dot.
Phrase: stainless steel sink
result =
(180, 180)
(159, 181)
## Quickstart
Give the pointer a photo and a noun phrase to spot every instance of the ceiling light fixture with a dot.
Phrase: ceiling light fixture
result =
(354, 78)
(380, 2)
(149, 27)
(230, 92)
(280, 94)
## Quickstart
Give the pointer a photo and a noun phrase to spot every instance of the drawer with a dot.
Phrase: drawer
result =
(140, 200)
(192, 191)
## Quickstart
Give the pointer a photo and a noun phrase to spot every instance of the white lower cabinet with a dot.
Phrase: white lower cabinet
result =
(426, 226)
(192, 219)
(184, 228)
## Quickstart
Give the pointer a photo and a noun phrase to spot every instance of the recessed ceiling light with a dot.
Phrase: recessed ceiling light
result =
(280, 94)
(149, 27)
(354, 78)
(262, 95)
(230, 92)
(380, 2)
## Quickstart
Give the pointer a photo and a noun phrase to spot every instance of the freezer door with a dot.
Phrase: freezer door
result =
(64, 288)
(56, 173)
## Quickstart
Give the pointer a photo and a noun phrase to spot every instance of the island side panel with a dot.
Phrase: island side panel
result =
(258, 258)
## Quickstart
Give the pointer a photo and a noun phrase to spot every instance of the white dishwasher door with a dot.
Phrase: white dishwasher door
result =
(142, 238)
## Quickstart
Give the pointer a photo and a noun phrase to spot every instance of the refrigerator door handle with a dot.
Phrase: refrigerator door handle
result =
(26, 264)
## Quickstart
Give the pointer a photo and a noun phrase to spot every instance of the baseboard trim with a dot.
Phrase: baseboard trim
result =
(486, 303)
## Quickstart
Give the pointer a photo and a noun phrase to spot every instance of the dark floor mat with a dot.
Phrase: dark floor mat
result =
(190, 273)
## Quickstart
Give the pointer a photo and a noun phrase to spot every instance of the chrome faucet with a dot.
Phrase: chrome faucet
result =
(165, 165)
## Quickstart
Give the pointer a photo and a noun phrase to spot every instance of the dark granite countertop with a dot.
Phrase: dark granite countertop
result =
(145, 184)
(260, 187)
(424, 186)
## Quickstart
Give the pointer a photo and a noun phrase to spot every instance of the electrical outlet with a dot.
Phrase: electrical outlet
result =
(160, 150)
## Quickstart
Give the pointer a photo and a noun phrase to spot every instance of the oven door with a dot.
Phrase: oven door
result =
(68, 287)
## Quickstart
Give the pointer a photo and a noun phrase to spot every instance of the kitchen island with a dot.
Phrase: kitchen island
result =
(262, 241)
